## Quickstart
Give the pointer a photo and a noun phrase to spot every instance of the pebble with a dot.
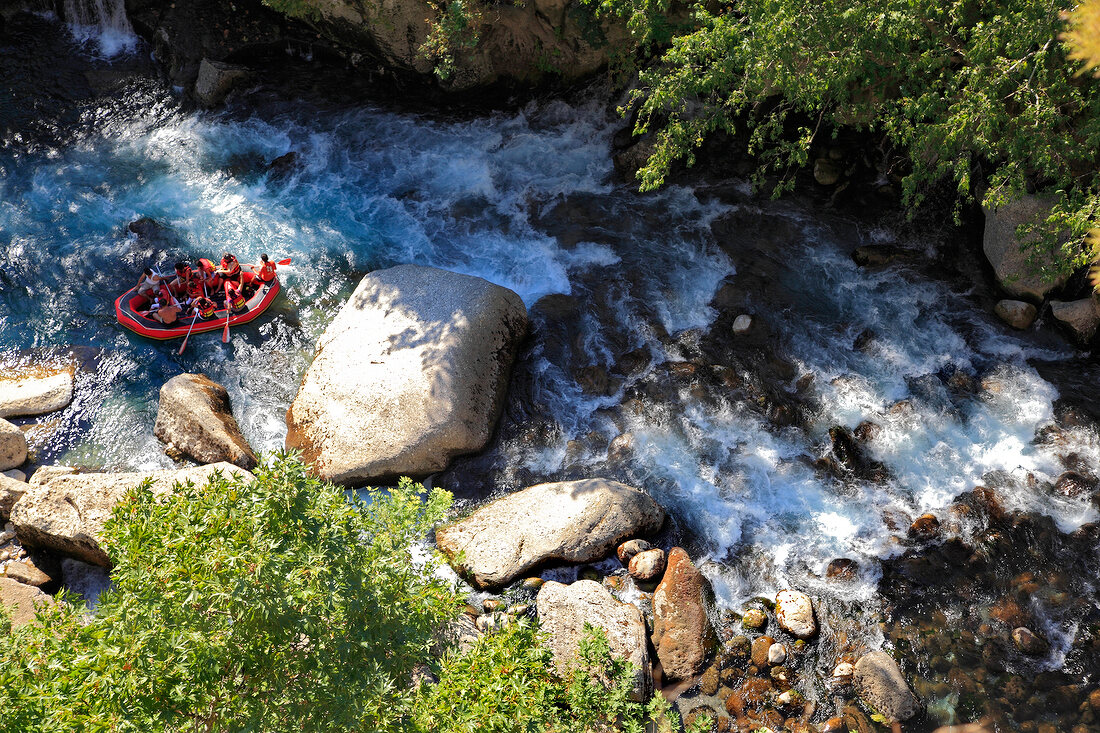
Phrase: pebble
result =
(842, 673)
(742, 324)
(777, 654)
(761, 647)
(754, 618)
(533, 583)
(795, 613)
(4, 556)
(630, 548)
(1027, 642)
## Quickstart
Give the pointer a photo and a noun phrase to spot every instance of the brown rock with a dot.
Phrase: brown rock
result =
(842, 569)
(25, 573)
(1016, 313)
(194, 416)
(708, 683)
(879, 682)
(627, 550)
(1028, 643)
(21, 600)
(926, 527)
(754, 618)
(760, 647)
(682, 633)
(1071, 484)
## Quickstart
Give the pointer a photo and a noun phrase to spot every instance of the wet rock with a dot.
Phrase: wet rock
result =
(34, 392)
(827, 172)
(834, 725)
(13, 446)
(647, 566)
(411, 373)
(754, 618)
(760, 647)
(843, 673)
(736, 650)
(1028, 643)
(777, 654)
(146, 227)
(593, 380)
(533, 584)
(621, 448)
(876, 255)
(633, 362)
(789, 699)
(682, 633)
(85, 580)
(565, 609)
(26, 573)
(1003, 248)
(794, 611)
(1071, 484)
(284, 164)
(708, 683)
(1016, 313)
(67, 513)
(634, 157)
(194, 417)
(627, 550)
(570, 521)
(1081, 317)
(216, 79)
(21, 600)
(742, 324)
(880, 684)
(842, 568)
(924, 528)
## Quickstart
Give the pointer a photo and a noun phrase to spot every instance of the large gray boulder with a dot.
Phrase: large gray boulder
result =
(31, 392)
(570, 521)
(565, 609)
(67, 513)
(13, 446)
(194, 418)
(215, 80)
(411, 373)
(1081, 317)
(1016, 313)
(1002, 248)
(880, 684)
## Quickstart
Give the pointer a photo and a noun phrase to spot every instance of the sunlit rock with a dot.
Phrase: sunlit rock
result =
(13, 446)
(682, 632)
(1081, 317)
(1004, 250)
(794, 611)
(67, 514)
(30, 392)
(881, 685)
(21, 600)
(571, 521)
(1016, 313)
(194, 417)
(647, 566)
(565, 609)
(411, 373)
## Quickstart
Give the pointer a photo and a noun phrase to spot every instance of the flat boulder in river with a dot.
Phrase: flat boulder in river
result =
(67, 513)
(570, 521)
(880, 684)
(411, 373)
(32, 392)
(682, 632)
(565, 609)
(195, 419)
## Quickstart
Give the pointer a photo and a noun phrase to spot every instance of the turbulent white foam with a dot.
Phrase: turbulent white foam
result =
(103, 23)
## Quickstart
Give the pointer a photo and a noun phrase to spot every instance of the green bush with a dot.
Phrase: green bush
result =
(277, 605)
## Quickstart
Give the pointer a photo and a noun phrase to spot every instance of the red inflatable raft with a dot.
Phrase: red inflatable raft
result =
(130, 309)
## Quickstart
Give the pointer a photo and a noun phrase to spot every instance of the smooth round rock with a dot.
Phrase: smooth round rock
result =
(795, 613)
(754, 618)
(881, 685)
(777, 654)
(742, 324)
(13, 446)
(1028, 643)
(1016, 313)
(627, 550)
(647, 566)
(31, 394)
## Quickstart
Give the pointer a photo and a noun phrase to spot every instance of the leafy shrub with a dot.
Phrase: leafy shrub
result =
(270, 606)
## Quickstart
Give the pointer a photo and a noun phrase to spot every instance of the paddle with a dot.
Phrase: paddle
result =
(225, 331)
(184, 344)
(283, 262)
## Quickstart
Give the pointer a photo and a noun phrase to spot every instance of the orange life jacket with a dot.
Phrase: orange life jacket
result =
(267, 271)
(235, 300)
(205, 307)
(232, 268)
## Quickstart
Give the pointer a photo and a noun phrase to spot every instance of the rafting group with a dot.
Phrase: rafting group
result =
(199, 297)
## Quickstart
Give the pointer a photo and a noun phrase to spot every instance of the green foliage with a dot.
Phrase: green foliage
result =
(950, 86)
(456, 28)
(301, 9)
(276, 605)
(506, 684)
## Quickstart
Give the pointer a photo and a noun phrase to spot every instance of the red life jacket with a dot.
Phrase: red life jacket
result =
(267, 271)
(232, 268)
(205, 308)
(235, 300)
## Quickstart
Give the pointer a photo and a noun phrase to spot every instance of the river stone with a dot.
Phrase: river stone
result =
(1081, 317)
(879, 682)
(682, 633)
(1028, 642)
(564, 610)
(647, 566)
(26, 573)
(13, 446)
(411, 373)
(794, 612)
(194, 417)
(1002, 247)
(34, 394)
(67, 513)
(21, 600)
(45, 474)
(571, 521)
(742, 324)
(1016, 313)
(10, 492)
(627, 550)
(216, 79)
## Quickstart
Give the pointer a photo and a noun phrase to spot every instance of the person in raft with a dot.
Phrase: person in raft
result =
(230, 270)
(185, 286)
(265, 268)
(203, 307)
(148, 283)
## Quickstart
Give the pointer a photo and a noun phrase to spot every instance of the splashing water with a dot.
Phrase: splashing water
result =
(102, 23)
